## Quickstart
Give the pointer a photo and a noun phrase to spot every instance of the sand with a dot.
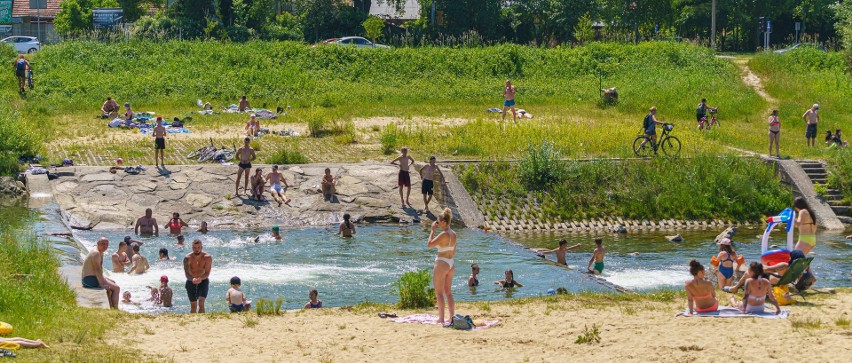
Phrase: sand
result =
(532, 330)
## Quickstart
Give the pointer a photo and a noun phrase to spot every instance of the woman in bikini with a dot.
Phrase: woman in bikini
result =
(347, 229)
(444, 269)
(805, 223)
(700, 294)
(757, 288)
(509, 282)
(774, 131)
(726, 257)
(175, 225)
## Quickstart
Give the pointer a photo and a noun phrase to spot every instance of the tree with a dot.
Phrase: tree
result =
(373, 27)
(583, 31)
(74, 17)
(131, 9)
(843, 12)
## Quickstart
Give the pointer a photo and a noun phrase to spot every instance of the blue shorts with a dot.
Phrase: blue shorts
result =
(508, 103)
(91, 282)
(237, 308)
(811, 132)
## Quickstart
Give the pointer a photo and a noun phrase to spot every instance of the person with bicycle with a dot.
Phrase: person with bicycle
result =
(21, 68)
(701, 112)
(650, 125)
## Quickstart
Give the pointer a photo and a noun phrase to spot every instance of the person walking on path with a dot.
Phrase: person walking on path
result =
(509, 100)
(427, 186)
(196, 266)
(159, 142)
(444, 267)
(811, 117)
(21, 68)
(404, 179)
(93, 273)
(245, 155)
(774, 132)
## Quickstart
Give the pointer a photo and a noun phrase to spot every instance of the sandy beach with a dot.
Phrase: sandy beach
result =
(544, 329)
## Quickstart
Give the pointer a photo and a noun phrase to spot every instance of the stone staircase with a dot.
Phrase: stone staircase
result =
(818, 175)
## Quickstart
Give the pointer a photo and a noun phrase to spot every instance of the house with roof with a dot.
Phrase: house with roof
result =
(32, 21)
(409, 11)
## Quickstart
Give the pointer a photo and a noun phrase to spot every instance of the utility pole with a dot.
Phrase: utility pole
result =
(713, 25)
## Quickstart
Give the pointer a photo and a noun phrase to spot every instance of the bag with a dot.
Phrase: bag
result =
(782, 295)
(462, 322)
(21, 66)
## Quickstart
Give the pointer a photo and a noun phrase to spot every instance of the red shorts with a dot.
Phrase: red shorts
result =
(404, 179)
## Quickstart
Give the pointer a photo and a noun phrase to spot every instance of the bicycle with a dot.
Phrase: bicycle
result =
(705, 123)
(203, 151)
(30, 83)
(669, 144)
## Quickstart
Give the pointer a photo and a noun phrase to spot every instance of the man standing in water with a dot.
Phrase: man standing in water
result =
(245, 155)
(597, 258)
(93, 273)
(196, 267)
(147, 224)
(427, 186)
(159, 142)
(404, 179)
(509, 102)
(119, 258)
(811, 117)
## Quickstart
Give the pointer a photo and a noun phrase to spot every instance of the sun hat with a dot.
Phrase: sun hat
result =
(816, 106)
(725, 241)
(253, 115)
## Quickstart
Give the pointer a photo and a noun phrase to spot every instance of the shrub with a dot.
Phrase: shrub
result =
(389, 139)
(541, 167)
(269, 307)
(284, 157)
(589, 336)
(414, 290)
(840, 173)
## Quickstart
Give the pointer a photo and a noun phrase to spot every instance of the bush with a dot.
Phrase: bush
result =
(389, 139)
(414, 290)
(840, 173)
(268, 307)
(541, 167)
(284, 157)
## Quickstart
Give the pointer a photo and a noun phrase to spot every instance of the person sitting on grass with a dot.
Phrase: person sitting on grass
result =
(110, 108)
(472, 281)
(509, 282)
(829, 138)
(757, 288)
(700, 294)
(328, 185)
(314, 303)
(236, 299)
(257, 184)
(838, 139)
(561, 250)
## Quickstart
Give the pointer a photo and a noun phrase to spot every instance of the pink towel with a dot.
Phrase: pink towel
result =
(433, 320)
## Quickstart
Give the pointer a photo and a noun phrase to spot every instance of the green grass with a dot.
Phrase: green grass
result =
(15, 140)
(38, 303)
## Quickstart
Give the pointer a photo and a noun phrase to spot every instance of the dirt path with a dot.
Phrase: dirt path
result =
(752, 80)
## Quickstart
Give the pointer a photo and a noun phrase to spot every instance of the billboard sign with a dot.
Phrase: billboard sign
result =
(5, 11)
(106, 17)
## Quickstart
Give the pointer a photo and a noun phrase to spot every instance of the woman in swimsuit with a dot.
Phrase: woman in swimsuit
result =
(726, 258)
(774, 131)
(175, 224)
(314, 303)
(700, 294)
(757, 288)
(509, 282)
(444, 269)
(347, 229)
(806, 226)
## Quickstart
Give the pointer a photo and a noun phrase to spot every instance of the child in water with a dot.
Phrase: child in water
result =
(509, 282)
(597, 258)
(165, 292)
(314, 303)
(236, 298)
(276, 233)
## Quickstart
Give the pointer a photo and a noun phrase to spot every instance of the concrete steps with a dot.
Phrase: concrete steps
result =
(815, 170)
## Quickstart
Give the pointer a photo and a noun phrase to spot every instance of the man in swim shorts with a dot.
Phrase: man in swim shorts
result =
(119, 258)
(245, 155)
(93, 273)
(509, 100)
(159, 142)
(275, 178)
(147, 224)
(196, 267)
(811, 117)
(561, 251)
(404, 179)
(427, 186)
(597, 258)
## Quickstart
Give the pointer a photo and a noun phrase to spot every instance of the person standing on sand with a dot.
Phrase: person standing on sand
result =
(444, 268)
(245, 155)
(159, 142)
(700, 294)
(119, 258)
(774, 132)
(404, 179)
(196, 266)
(175, 224)
(561, 250)
(427, 173)
(147, 224)
(597, 258)
(811, 118)
(93, 273)
(509, 100)
(275, 179)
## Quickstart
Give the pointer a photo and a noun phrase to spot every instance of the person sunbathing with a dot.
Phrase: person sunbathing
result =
(757, 288)
(700, 294)
(24, 342)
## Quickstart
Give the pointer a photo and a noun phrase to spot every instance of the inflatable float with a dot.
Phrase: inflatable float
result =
(771, 257)
(5, 328)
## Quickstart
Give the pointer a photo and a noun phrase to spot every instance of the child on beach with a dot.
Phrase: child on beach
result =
(404, 179)
(509, 282)
(757, 288)
(597, 258)
(328, 184)
(561, 250)
(165, 292)
(472, 281)
(236, 298)
(314, 303)
(726, 258)
(700, 294)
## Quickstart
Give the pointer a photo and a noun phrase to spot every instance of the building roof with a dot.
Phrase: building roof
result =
(409, 11)
(21, 8)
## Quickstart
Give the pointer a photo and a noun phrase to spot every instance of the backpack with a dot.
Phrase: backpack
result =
(701, 110)
(646, 124)
(462, 322)
(21, 66)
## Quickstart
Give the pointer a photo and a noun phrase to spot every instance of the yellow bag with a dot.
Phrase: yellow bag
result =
(10, 346)
(782, 295)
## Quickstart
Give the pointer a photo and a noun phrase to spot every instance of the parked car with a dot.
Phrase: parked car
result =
(23, 44)
(354, 42)
(807, 45)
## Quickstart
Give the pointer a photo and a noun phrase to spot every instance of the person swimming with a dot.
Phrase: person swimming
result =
(509, 282)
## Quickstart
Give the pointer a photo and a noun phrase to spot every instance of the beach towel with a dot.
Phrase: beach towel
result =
(433, 320)
(266, 114)
(494, 110)
(731, 312)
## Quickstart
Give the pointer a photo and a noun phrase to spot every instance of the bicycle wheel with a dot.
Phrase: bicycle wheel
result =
(642, 146)
(671, 146)
(196, 152)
